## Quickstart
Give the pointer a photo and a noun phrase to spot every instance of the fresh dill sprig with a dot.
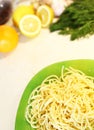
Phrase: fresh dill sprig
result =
(83, 31)
(77, 20)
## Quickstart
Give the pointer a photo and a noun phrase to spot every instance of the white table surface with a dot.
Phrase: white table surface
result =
(30, 56)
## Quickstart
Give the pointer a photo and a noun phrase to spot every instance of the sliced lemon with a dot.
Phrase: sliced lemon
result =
(20, 11)
(46, 15)
(30, 25)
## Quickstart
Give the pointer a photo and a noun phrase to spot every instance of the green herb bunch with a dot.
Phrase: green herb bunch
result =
(77, 20)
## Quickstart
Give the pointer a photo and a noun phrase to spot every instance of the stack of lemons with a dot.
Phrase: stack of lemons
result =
(30, 21)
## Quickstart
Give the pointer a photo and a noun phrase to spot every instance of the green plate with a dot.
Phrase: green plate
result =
(87, 66)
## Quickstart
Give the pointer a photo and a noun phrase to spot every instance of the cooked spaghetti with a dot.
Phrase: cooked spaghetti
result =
(62, 103)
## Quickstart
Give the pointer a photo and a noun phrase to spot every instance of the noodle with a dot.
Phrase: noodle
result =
(62, 103)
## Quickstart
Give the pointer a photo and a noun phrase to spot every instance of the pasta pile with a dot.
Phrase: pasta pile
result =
(62, 103)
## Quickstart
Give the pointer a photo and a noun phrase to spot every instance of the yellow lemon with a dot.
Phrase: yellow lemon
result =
(46, 15)
(20, 11)
(30, 25)
(8, 38)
